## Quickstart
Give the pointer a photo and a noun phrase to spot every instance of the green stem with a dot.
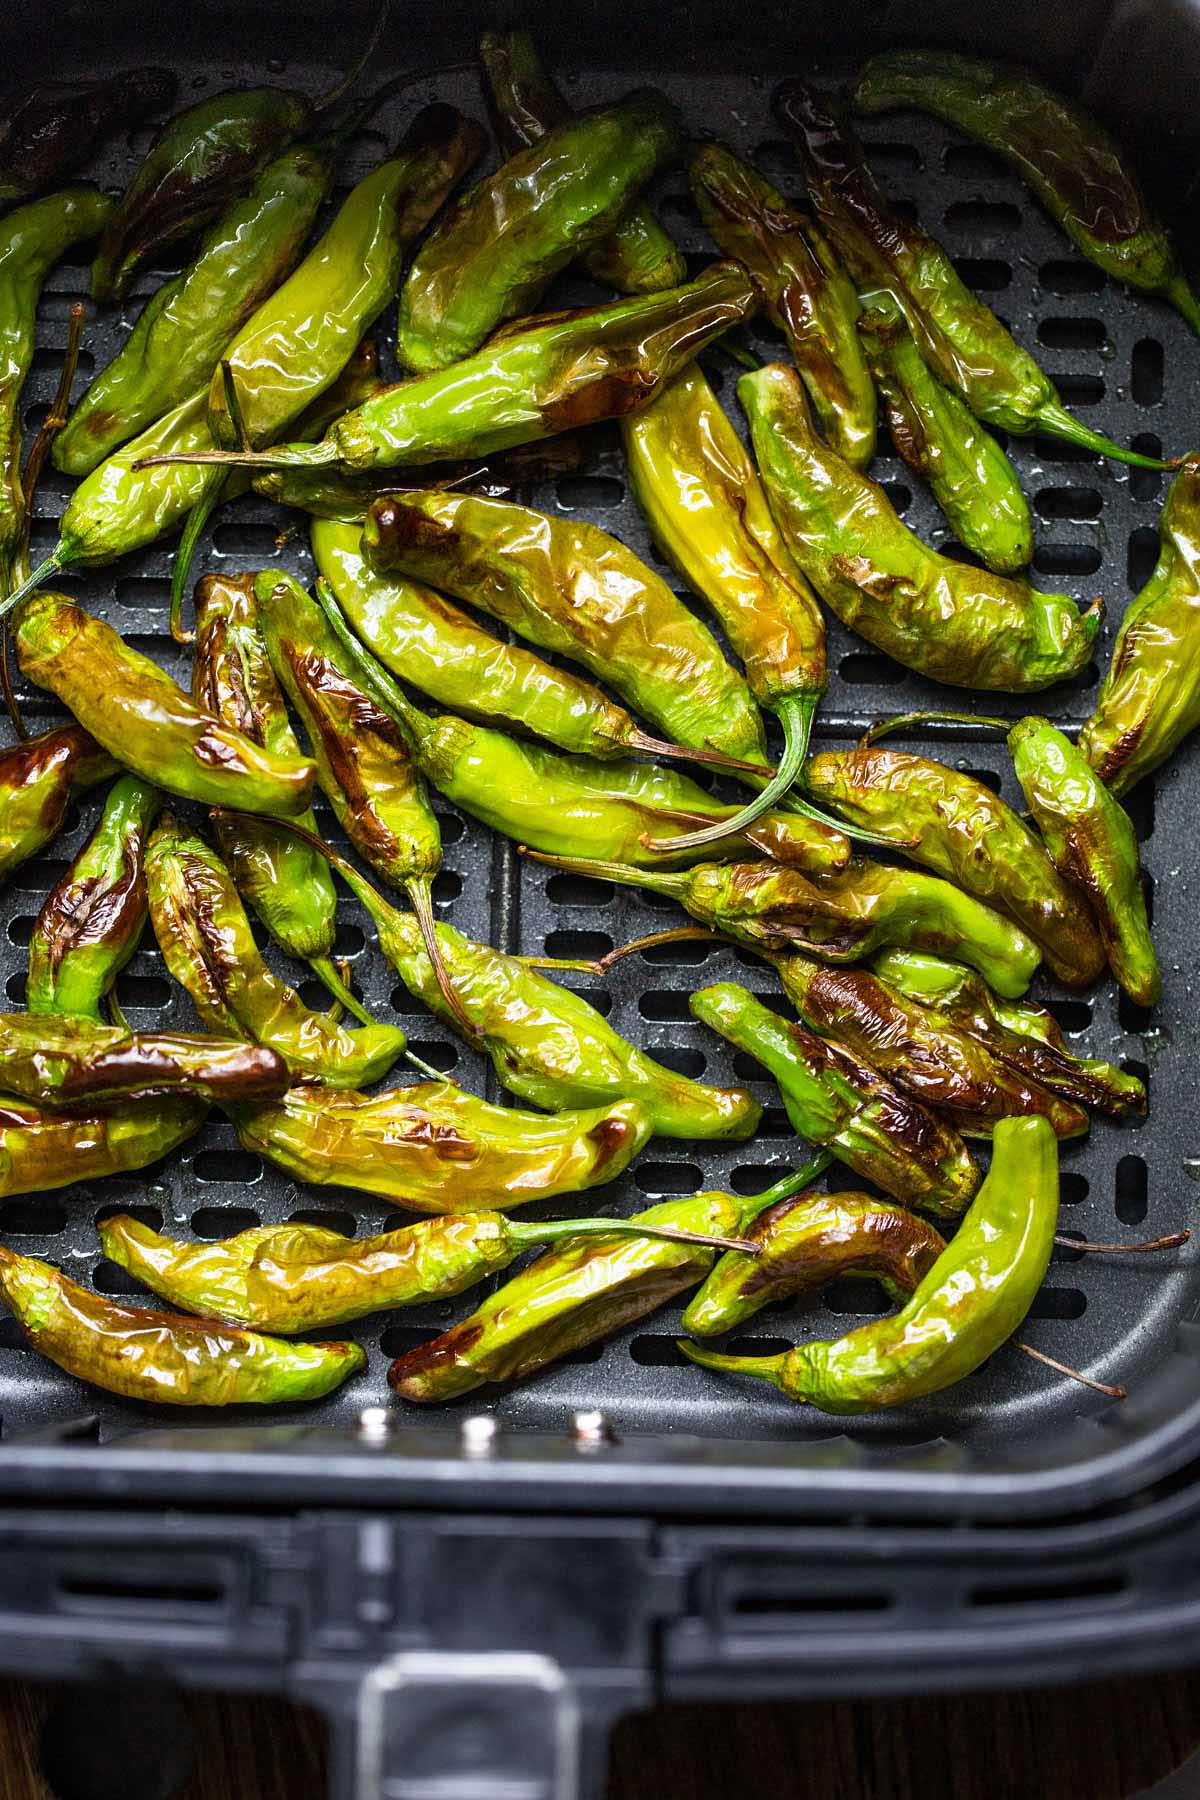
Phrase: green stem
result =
(600, 965)
(767, 1368)
(1178, 293)
(554, 1231)
(908, 720)
(785, 1187)
(278, 456)
(197, 519)
(1054, 418)
(796, 716)
(323, 968)
(57, 560)
(380, 686)
(420, 896)
(659, 881)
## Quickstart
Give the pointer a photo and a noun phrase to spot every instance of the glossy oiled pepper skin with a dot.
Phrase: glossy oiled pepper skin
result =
(940, 439)
(38, 780)
(209, 948)
(165, 1357)
(969, 1303)
(495, 252)
(808, 293)
(42, 1149)
(56, 1061)
(638, 256)
(956, 826)
(1091, 839)
(805, 1241)
(51, 130)
(572, 589)
(953, 623)
(134, 709)
(846, 1107)
(1149, 700)
(91, 922)
(1072, 164)
(437, 1149)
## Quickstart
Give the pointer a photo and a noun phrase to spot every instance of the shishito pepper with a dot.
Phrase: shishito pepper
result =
(962, 340)
(572, 589)
(164, 1357)
(91, 922)
(300, 1277)
(495, 252)
(41, 1148)
(638, 256)
(577, 1293)
(38, 780)
(808, 293)
(1072, 164)
(74, 1062)
(956, 624)
(50, 130)
(209, 948)
(435, 1148)
(968, 1304)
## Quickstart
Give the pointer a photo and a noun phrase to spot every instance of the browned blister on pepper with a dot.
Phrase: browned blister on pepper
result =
(38, 780)
(76, 1062)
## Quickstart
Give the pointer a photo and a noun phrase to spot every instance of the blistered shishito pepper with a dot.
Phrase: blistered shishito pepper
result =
(845, 1106)
(56, 1061)
(91, 922)
(495, 252)
(962, 339)
(808, 293)
(1149, 700)
(41, 1148)
(38, 780)
(435, 1148)
(1074, 167)
(51, 130)
(165, 1357)
(576, 1294)
(638, 256)
(300, 1277)
(572, 589)
(1025, 1037)
(956, 826)
(209, 948)
(938, 436)
(956, 624)
(968, 1304)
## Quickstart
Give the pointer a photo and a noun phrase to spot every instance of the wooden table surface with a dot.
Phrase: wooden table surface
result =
(1104, 1742)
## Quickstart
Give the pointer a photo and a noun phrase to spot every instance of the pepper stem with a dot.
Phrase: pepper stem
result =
(555, 1230)
(796, 716)
(600, 965)
(197, 519)
(646, 745)
(277, 456)
(766, 1368)
(50, 565)
(382, 689)
(323, 968)
(345, 82)
(420, 895)
(1054, 418)
(783, 1189)
(1062, 1368)
(52, 424)
(1143, 1247)
(904, 721)
(1178, 293)
(659, 881)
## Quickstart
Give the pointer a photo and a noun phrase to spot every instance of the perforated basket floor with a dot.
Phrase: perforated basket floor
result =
(1129, 366)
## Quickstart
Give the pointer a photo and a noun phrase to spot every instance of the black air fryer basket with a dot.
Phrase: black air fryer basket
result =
(474, 1594)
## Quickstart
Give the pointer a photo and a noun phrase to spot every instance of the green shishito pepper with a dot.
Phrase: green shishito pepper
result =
(638, 256)
(955, 624)
(209, 948)
(968, 1304)
(940, 439)
(495, 252)
(962, 340)
(300, 1277)
(38, 780)
(578, 1293)
(435, 1148)
(165, 1357)
(1149, 700)
(56, 1061)
(846, 1107)
(570, 588)
(51, 129)
(91, 922)
(808, 293)
(42, 1149)
(1072, 164)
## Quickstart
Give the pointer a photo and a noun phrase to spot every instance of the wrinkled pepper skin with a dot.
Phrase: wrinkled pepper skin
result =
(494, 253)
(956, 826)
(38, 780)
(939, 438)
(42, 1149)
(55, 1061)
(1091, 838)
(638, 256)
(209, 948)
(846, 1107)
(134, 709)
(164, 1357)
(91, 923)
(570, 588)
(955, 624)
(1074, 167)
(967, 1306)
(924, 1054)
(808, 293)
(434, 1148)
(51, 130)
(806, 1241)
(1149, 700)
(1025, 1037)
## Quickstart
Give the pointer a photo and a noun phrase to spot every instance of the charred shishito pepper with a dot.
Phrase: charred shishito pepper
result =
(42, 1148)
(51, 130)
(967, 1305)
(164, 1357)
(38, 780)
(75, 1062)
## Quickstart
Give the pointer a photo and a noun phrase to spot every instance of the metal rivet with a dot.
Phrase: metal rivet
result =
(591, 1430)
(376, 1424)
(479, 1434)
